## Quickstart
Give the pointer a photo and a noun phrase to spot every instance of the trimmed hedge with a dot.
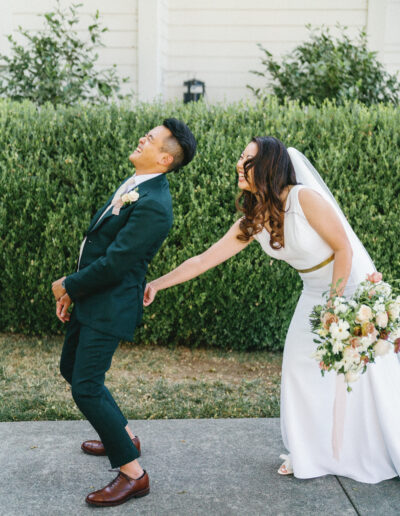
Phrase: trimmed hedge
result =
(59, 165)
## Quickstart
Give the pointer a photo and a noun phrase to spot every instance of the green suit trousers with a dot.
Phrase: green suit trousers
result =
(85, 359)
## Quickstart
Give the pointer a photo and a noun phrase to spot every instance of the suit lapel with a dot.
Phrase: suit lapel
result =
(144, 188)
(99, 213)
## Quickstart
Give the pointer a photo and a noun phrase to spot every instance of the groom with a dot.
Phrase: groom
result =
(107, 291)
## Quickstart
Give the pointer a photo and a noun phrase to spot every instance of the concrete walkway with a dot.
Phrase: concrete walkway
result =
(197, 467)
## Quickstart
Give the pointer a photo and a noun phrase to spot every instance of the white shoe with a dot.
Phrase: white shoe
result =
(287, 467)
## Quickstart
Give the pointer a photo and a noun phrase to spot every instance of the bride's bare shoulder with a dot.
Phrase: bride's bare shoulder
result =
(313, 204)
(308, 196)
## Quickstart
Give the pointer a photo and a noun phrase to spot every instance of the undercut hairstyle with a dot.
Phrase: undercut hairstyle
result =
(181, 144)
(272, 173)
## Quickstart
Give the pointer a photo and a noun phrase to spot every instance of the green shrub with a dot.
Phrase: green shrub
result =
(59, 165)
(329, 68)
(55, 65)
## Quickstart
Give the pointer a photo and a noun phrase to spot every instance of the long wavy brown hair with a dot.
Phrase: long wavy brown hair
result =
(272, 173)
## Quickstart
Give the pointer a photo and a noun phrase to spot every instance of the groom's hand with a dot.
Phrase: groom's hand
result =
(62, 308)
(58, 289)
(149, 294)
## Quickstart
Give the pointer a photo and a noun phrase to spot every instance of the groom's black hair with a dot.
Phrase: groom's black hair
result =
(183, 136)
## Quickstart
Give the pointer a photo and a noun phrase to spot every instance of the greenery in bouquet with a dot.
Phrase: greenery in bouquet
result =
(353, 332)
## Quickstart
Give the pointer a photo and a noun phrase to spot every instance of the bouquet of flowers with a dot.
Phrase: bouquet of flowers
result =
(353, 332)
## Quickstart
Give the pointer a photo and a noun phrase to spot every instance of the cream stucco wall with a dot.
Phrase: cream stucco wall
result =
(161, 43)
(391, 42)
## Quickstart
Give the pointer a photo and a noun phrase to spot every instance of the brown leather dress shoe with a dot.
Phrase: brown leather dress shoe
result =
(97, 447)
(120, 490)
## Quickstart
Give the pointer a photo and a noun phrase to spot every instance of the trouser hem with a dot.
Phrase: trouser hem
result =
(118, 462)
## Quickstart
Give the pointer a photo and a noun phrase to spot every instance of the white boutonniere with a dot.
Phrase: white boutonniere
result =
(126, 198)
(130, 197)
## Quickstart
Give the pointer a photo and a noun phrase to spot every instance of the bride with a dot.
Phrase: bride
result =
(290, 212)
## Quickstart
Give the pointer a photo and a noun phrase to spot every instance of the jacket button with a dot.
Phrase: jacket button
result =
(89, 241)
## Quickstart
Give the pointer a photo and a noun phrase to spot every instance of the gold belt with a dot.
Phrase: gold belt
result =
(319, 266)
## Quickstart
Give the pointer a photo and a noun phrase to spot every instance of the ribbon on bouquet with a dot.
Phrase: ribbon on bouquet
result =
(339, 413)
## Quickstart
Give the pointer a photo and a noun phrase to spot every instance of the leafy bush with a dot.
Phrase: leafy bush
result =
(55, 65)
(329, 68)
(57, 166)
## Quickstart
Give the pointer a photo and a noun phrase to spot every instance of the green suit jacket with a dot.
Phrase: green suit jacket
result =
(108, 287)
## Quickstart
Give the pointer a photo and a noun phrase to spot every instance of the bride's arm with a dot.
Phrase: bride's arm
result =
(324, 219)
(226, 247)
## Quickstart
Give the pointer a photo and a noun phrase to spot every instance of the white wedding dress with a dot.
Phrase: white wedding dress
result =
(366, 421)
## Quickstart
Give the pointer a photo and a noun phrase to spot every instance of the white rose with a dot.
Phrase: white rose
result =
(394, 311)
(351, 355)
(365, 343)
(341, 309)
(381, 347)
(351, 377)
(382, 319)
(352, 303)
(339, 330)
(364, 314)
(351, 358)
(133, 196)
(125, 198)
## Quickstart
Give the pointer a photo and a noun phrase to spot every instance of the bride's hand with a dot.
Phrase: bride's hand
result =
(149, 294)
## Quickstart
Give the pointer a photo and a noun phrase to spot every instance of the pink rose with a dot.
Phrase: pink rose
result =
(364, 314)
(327, 319)
(375, 277)
(382, 319)
(350, 354)
(394, 311)
(355, 342)
(323, 366)
(381, 347)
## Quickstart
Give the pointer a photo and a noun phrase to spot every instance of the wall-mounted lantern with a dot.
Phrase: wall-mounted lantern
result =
(194, 90)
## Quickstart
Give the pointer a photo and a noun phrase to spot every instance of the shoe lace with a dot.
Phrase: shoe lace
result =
(117, 478)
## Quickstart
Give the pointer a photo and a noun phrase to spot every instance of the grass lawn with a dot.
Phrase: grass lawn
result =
(148, 382)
